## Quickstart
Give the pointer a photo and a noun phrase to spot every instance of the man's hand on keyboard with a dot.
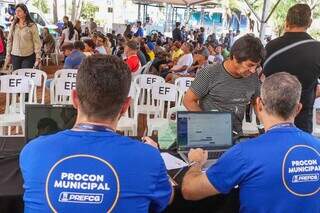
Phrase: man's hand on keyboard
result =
(198, 155)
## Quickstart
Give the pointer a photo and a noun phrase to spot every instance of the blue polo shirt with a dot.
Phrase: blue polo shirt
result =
(75, 171)
(74, 60)
(276, 172)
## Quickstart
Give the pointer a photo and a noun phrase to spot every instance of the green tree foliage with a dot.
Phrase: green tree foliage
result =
(42, 5)
(88, 10)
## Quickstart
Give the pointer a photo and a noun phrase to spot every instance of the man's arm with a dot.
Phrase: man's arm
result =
(190, 101)
(195, 185)
(179, 69)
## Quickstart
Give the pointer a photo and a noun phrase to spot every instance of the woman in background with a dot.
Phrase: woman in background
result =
(24, 45)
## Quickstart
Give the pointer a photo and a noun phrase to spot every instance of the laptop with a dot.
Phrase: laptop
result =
(211, 131)
(48, 119)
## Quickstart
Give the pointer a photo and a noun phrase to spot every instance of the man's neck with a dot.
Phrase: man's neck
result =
(272, 121)
(230, 68)
(105, 123)
(296, 30)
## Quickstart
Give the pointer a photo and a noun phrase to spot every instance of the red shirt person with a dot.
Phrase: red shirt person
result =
(130, 50)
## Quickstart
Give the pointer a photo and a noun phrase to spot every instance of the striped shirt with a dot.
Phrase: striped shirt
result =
(218, 90)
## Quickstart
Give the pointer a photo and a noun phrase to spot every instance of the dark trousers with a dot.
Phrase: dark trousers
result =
(23, 62)
(11, 204)
(304, 120)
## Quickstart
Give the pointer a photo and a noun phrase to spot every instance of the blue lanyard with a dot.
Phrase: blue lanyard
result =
(93, 127)
(282, 125)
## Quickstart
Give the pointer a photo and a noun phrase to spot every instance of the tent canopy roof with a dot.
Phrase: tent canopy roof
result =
(174, 2)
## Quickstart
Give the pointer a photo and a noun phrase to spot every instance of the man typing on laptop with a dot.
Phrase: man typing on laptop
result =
(277, 171)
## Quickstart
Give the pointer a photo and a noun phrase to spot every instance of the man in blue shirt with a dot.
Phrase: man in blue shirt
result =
(276, 172)
(139, 32)
(91, 168)
(74, 55)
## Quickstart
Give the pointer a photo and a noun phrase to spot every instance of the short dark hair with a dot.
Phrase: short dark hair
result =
(103, 84)
(67, 46)
(178, 24)
(90, 43)
(79, 45)
(139, 22)
(248, 48)
(189, 45)
(299, 15)
(132, 44)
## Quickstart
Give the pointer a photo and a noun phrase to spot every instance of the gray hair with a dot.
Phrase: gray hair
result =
(281, 94)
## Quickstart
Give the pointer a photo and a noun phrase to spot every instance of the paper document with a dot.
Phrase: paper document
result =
(172, 162)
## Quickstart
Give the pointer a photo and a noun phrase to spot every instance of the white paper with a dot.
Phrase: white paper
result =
(172, 162)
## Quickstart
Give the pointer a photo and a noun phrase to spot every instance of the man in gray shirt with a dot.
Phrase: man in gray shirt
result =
(230, 86)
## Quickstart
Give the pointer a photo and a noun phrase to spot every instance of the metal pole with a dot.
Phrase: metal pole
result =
(139, 12)
(65, 7)
(265, 12)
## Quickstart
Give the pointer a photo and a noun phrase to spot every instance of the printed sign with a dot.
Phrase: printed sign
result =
(81, 182)
(14, 84)
(301, 171)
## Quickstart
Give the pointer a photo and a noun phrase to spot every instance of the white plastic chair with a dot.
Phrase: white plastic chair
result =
(39, 78)
(182, 85)
(129, 122)
(145, 69)
(15, 87)
(67, 73)
(146, 104)
(61, 86)
(164, 96)
(250, 128)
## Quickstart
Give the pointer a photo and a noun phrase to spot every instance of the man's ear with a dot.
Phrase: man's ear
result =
(258, 107)
(75, 99)
(310, 23)
(299, 108)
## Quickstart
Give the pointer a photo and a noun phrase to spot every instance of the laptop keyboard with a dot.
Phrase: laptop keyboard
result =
(215, 155)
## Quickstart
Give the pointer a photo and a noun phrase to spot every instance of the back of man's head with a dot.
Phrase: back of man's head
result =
(280, 94)
(103, 84)
(133, 45)
(67, 46)
(79, 45)
(247, 48)
(299, 15)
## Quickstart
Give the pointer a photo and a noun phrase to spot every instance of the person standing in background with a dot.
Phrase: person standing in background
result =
(69, 35)
(139, 32)
(92, 26)
(176, 33)
(77, 27)
(302, 60)
(24, 45)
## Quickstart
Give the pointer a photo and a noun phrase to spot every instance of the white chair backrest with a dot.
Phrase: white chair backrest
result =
(60, 90)
(15, 87)
(134, 94)
(39, 78)
(162, 93)
(182, 85)
(67, 73)
(145, 81)
(145, 69)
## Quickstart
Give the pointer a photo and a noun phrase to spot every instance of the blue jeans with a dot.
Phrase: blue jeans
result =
(23, 62)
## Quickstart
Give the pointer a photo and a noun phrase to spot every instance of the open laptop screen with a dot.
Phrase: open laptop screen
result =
(48, 119)
(204, 129)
